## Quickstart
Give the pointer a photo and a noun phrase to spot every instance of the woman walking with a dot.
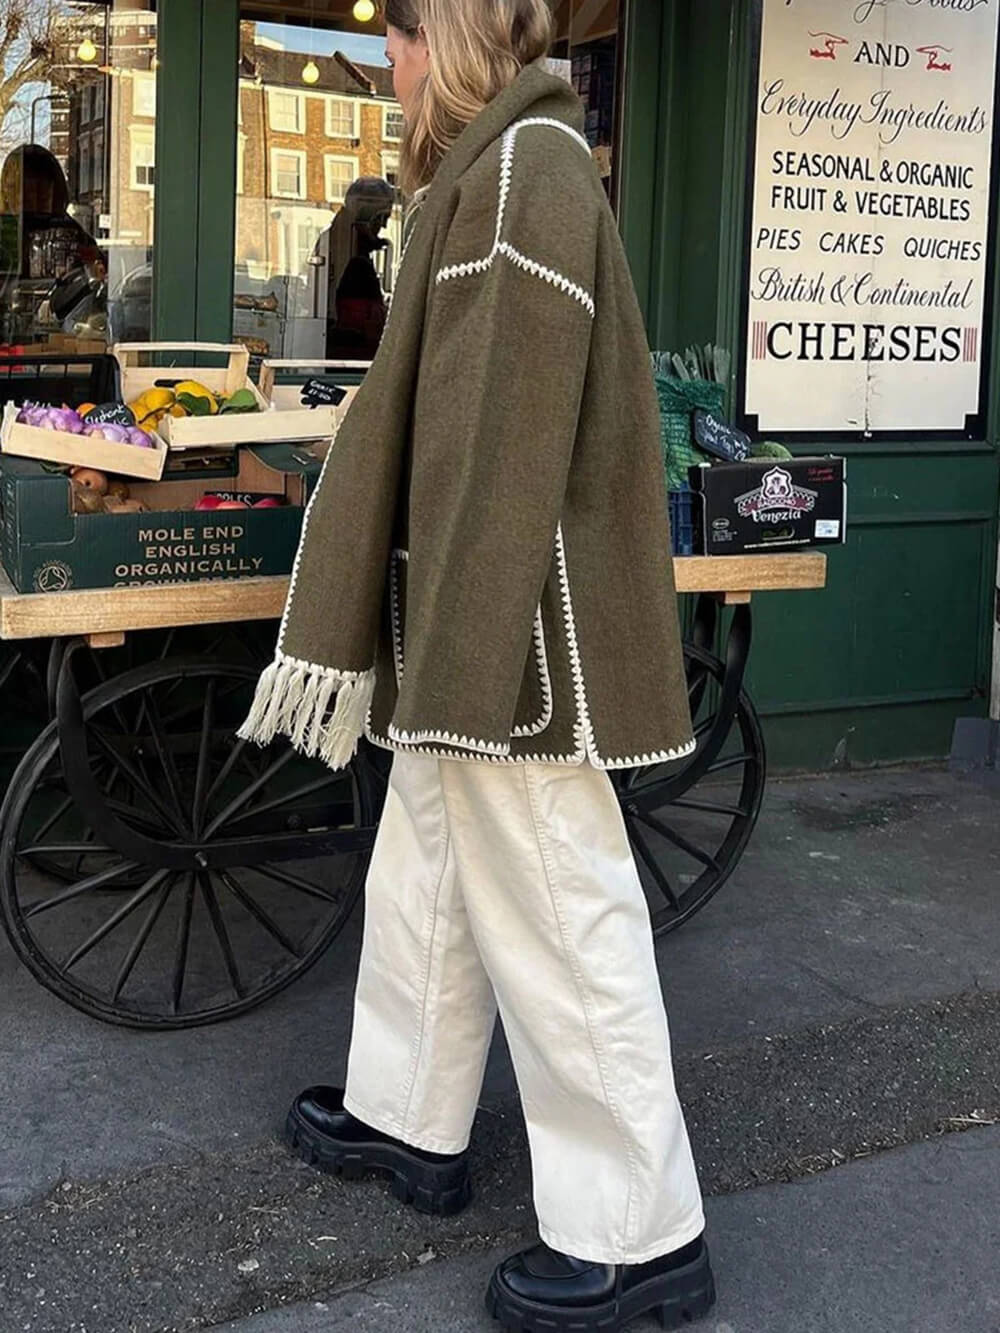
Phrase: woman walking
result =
(484, 587)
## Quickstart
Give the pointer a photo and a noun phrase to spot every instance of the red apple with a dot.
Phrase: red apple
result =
(208, 502)
(268, 502)
(231, 504)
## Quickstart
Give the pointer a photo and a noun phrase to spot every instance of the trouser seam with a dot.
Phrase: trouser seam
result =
(428, 960)
(577, 972)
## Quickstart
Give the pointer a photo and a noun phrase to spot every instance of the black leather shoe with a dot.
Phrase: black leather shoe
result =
(540, 1289)
(323, 1134)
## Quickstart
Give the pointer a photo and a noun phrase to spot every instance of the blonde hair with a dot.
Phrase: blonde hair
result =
(477, 48)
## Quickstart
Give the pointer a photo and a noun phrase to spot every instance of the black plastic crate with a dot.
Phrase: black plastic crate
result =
(683, 534)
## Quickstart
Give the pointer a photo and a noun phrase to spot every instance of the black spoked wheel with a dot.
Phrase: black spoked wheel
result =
(688, 821)
(148, 944)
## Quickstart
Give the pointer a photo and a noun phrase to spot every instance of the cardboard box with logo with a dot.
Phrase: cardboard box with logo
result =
(46, 547)
(765, 504)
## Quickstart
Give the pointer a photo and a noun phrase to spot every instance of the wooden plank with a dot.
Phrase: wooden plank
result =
(107, 610)
(750, 573)
(112, 610)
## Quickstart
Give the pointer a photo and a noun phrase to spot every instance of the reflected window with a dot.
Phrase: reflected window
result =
(341, 173)
(342, 118)
(285, 111)
(288, 173)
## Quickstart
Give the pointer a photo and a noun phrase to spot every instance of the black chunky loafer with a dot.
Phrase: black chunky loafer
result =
(540, 1290)
(324, 1134)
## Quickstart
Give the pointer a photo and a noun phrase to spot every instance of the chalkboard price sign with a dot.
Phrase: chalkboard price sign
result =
(318, 393)
(118, 413)
(719, 439)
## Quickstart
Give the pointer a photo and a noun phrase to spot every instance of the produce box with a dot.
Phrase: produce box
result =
(45, 547)
(765, 504)
(218, 428)
(58, 446)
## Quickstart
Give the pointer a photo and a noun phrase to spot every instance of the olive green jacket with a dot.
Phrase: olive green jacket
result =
(485, 567)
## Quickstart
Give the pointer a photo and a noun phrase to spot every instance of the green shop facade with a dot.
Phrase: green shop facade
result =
(778, 171)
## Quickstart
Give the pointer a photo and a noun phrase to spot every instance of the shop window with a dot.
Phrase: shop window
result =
(342, 116)
(143, 158)
(77, 173)
(144, 94)
(341, 172)
(285, 111)
(288, 173)
(392, 123)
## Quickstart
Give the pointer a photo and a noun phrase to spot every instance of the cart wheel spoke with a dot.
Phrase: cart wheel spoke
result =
(183, 943)
(712, 808)
(145, 930)
(138, 781)
(62, 849)
(732, 761)
(296, 882)
(678, 839)
(654, 867)
(221, 934)
(237, 748)
(204, 755)
(167, 765)
(82, 886)
(238, 802)
(52, 820)
(148, 888)
(286, 798)
(265, 919)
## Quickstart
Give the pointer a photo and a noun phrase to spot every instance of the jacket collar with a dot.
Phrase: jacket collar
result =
(535, 92)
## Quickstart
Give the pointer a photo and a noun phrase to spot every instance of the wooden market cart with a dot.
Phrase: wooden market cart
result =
(157, 872)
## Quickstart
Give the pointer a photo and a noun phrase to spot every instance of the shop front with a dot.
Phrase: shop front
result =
(807, 184)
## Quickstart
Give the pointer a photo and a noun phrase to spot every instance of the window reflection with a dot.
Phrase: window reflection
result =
(318, 220)
(77, 144)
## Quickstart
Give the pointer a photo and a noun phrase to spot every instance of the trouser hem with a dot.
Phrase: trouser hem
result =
(394, 1128)
(598, 1253)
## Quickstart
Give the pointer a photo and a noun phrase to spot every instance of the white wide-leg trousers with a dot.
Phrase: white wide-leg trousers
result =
(514, 885)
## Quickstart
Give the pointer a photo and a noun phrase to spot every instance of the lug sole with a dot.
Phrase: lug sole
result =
(675, 1300)
(439, 1189)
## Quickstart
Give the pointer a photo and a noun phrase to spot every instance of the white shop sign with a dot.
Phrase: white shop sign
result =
(868, 250)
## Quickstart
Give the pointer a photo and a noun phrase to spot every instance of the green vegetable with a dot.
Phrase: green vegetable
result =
(242, 400)
(195, 405)
(769, 449)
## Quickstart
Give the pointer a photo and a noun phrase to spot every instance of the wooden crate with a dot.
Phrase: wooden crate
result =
(57, 446)
(222, 430)
(286, 399)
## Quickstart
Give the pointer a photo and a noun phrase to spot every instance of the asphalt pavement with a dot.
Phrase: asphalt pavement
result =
(838, 1001)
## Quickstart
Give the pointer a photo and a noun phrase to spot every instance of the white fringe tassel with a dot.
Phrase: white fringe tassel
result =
(294, 701)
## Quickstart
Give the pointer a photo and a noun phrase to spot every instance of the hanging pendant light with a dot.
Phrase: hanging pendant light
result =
(310, 72)
(86, 51)
(364, 11)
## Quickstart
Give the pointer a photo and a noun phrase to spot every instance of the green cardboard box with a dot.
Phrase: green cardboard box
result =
(45, 547)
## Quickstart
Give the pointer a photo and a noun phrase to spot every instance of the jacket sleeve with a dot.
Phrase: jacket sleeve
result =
(504, 361)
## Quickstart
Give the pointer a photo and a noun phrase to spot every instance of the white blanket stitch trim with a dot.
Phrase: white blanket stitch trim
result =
(504, 248)
(427, 742)
(544, 680)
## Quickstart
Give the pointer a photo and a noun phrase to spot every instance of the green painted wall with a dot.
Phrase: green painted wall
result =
(878, 665)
